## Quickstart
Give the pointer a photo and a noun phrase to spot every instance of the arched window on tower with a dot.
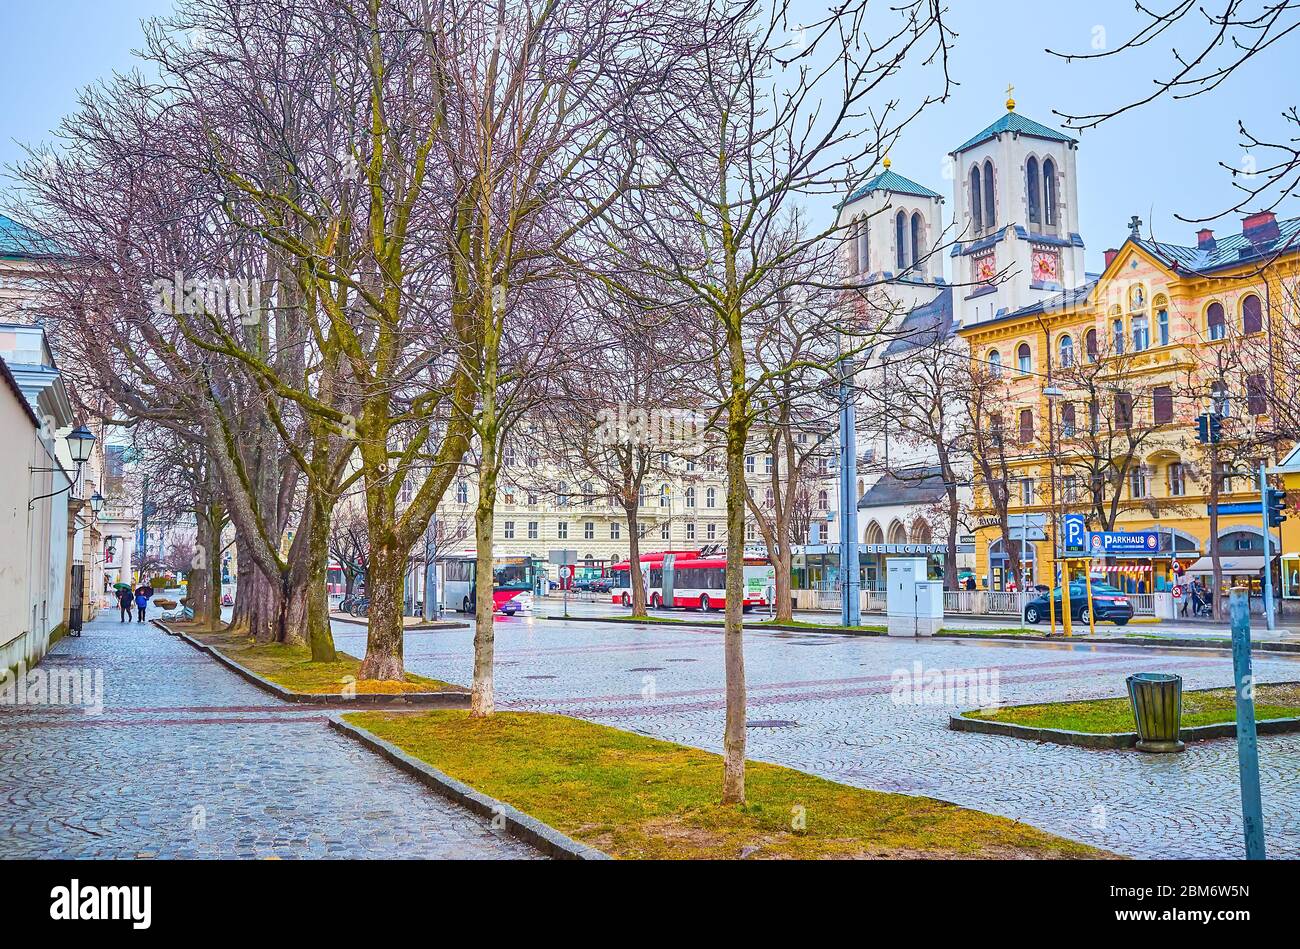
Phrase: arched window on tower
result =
(1049, 192)
(990, 203)
(1031, 190)
(864, 261)
(900, 238)
(976, 204)
(918, 249)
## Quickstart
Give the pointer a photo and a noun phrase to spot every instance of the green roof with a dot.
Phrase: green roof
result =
(1017, 123)
(892, 182)
(19, 240)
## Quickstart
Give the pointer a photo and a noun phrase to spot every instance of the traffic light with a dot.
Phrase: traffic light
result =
(1275, 506)
(1216, 428)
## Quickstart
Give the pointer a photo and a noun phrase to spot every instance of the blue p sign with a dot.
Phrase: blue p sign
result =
(1076, 532)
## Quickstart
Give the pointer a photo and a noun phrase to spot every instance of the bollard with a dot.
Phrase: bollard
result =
(1252, 815)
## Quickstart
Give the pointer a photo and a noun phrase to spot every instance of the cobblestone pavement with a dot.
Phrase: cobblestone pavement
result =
(188, 760)
(830, 699)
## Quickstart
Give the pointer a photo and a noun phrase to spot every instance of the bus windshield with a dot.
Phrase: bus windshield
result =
(517, 574)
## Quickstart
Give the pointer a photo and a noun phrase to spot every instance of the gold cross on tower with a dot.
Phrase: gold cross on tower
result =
(1011, 103)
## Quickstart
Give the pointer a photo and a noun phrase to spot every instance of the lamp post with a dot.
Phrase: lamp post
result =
(1054, 394)
(81, 442)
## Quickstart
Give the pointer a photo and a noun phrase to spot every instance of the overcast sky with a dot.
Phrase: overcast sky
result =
(1153, 162)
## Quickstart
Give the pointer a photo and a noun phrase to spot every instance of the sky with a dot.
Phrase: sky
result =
(1156, 162)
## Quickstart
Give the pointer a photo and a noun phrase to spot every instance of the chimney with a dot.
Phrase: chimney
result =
(1261, 228)
(1205, 239)
(1111, 254)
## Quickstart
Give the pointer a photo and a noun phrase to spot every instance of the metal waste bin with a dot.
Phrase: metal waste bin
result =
(1157, 702)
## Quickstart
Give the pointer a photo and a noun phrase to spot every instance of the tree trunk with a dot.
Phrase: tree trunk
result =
(782, 586)
(384, 658)
(635, 576)
(733, 776)
(483, 697)
(950, 555)
(239, 618)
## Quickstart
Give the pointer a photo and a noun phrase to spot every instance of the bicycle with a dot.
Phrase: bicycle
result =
(360, 606)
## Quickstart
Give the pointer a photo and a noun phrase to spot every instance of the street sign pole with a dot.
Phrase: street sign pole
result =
(850, 597)
(1252, 812)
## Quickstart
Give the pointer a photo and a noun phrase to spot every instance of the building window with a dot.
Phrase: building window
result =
(562, 530)
(690, 496)
(532, 530)
(532, 499)
(561, 495)
(1137, 482)
(976, 200)
(1067, 351)
(589, 530)
(749, 530)
(1256, 395)
(665, 531)
(1031, 190)
(1124, 409)
(665, 495)
(1117, 334)
(710, 497)
(1026, 491)
(690, 464)
(767, 464)
(1026, 426)
(1162, 405)
(749, 464)
(1067, 420)
(823, 500)
(1049, 192)
(1162, 326)
(508, 455)
(1252, 316)
(690, 530)
(864, 263)
(1090, 344)
(1070, 489)
(1214, 321)
(462, 492)
(990, 205)
(1024, 358)
(508, 530)
(918, 248)
(995, 364)
(1141, 334)
(900, 239)
(615, 530)
(711, 532)
(1177, 480)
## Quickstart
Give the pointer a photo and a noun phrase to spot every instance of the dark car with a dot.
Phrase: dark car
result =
(600, 585)
(1108, 604)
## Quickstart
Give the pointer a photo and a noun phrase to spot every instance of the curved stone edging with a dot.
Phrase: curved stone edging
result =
(527, 828)
(709, 624)
(1111, 740)
(456, 699)
(418, 627)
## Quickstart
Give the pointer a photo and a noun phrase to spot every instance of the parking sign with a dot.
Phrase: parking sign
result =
(1075, 531)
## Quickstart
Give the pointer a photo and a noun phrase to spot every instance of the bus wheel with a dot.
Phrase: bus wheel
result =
(464, 607)
(656, 602)
(705, 606)
(627, 600)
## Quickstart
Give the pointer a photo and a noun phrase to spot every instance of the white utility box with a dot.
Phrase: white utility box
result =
(913, 602)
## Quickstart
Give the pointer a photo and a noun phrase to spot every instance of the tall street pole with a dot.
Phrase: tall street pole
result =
(850, 586)
(1252, 811)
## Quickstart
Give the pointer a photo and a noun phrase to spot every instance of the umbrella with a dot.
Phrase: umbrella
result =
(121, 586)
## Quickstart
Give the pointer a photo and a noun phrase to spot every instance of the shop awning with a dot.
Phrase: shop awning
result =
(1251, 565)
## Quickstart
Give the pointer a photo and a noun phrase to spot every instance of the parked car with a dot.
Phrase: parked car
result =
(600, 585)
(1109, 604)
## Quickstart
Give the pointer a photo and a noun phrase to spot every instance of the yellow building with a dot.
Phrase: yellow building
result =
(1093, 396)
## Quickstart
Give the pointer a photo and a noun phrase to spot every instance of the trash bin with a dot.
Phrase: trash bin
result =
(1157, 701)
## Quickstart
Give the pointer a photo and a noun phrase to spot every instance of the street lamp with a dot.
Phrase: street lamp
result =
(96, 502)
(81, 441)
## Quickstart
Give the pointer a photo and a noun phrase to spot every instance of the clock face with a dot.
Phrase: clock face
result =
(1046, 266)
(986, 268)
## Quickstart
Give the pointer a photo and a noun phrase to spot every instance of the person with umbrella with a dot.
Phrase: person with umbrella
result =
(142, 594)
(124, 600)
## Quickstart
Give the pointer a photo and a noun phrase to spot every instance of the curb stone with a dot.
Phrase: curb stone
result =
(756, 627)
(456, 700)
(529, 829)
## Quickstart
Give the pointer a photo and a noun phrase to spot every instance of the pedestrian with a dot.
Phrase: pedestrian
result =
(141, 601)
(124, 602)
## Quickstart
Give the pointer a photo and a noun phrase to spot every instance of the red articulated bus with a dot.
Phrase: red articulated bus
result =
(687, 580)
